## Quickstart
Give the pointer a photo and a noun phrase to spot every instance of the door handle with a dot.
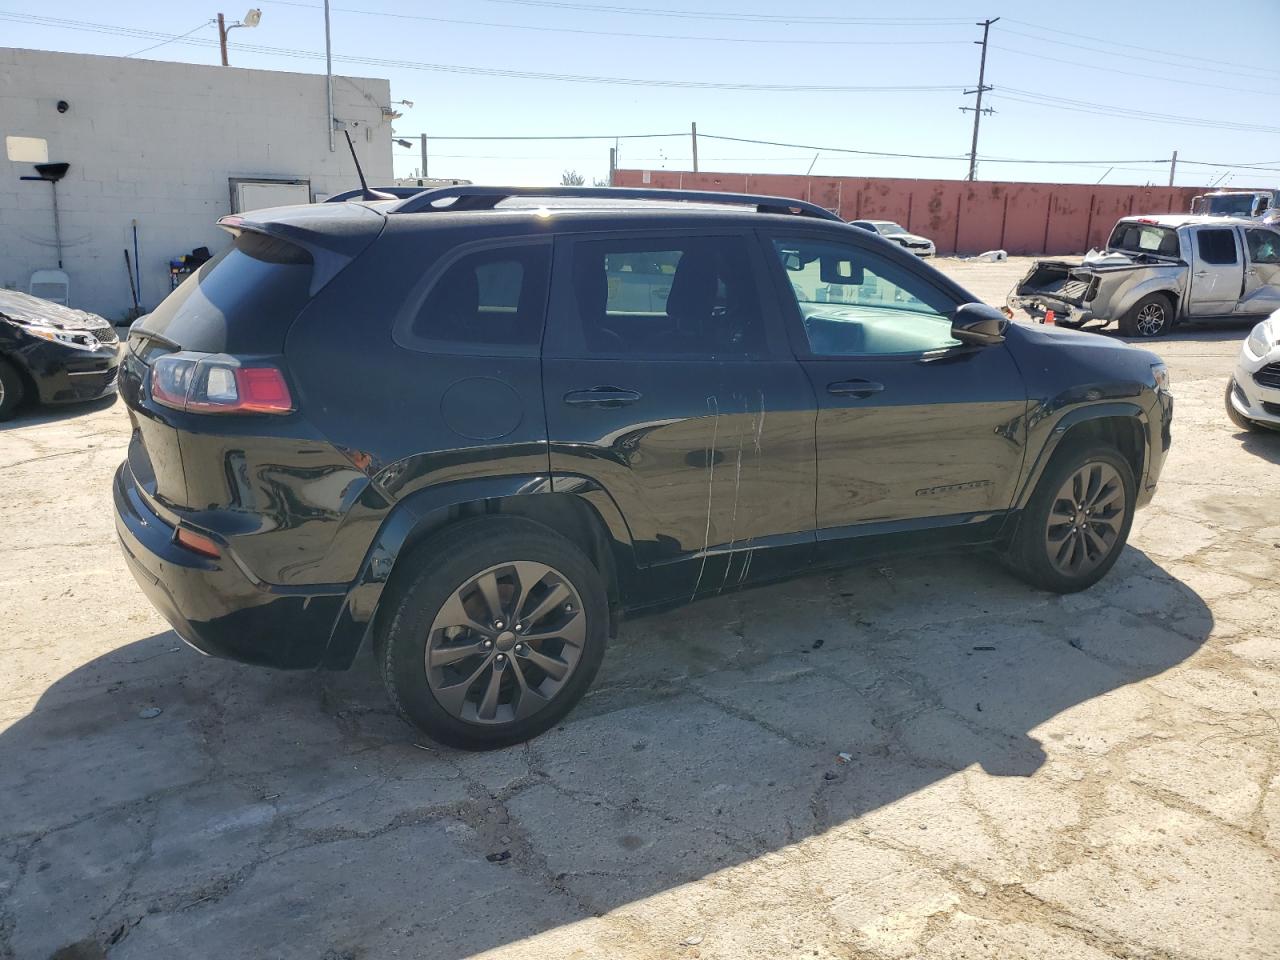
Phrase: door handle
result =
(601, 397)
(854, 388)
(1201, 273)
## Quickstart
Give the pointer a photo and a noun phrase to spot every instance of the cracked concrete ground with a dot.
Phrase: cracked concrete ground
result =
(1032, 776)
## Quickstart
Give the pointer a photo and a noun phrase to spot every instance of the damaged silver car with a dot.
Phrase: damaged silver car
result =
(1158, 271)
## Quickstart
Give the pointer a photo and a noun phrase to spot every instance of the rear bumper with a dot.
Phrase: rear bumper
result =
(1037, 305)
(213, 604)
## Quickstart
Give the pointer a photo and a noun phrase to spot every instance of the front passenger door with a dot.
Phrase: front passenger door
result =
(1261, 273)
(915, 430)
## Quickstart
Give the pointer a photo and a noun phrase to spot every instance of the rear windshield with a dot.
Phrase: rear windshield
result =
(242, 301)
(1144, 238)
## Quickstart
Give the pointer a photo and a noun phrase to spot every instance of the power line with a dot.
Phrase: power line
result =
(1130, 46)
(615, 33)
(164, 43)
(1132, 113)
(502, 72)
(736, 17)
(1133, 73)
(1252, 75)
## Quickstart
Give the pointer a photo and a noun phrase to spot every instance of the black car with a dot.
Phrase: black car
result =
(445, 423)
(52, 353)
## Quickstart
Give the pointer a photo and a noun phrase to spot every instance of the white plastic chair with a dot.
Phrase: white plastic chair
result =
(52, 285)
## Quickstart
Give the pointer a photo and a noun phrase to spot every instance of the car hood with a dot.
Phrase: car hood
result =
(1082, 340)
(913, 237)
(22, 308)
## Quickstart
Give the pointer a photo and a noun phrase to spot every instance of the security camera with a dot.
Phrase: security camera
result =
(63, 106)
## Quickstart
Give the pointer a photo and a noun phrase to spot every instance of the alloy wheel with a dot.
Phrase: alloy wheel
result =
(505, 643)
(1086, 519)
(1150, 319)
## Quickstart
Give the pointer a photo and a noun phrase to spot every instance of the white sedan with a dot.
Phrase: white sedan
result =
(1253, 392)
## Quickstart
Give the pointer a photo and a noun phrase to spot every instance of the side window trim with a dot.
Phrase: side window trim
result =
(564, 337)
(790, 308)
(401, 327)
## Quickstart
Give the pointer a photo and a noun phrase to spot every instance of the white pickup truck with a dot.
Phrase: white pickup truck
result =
(1158, 271)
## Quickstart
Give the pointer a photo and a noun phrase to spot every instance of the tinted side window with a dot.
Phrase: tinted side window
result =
(488, 300)
(693, 297)
(1216, 246)
(853, 302)
(1264, 245)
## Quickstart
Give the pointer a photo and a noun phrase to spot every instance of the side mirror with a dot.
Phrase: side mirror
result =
(978, 324)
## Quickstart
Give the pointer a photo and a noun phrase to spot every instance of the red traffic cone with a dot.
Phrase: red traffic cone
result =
(1048, 318)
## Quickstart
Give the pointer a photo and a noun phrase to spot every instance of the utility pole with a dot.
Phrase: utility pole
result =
(424, 156)
(222, 38)
(977, 109)
(328, 73)
(694, 127)
(613, 164)
(251, 19)
(1173, 167)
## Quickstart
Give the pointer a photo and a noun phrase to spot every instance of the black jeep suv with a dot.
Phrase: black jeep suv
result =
(477, 425)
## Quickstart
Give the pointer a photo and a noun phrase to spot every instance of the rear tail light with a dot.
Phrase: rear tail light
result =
(219, 383)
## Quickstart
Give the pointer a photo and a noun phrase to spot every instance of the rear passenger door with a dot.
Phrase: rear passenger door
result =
(669, 382)
(1216, 272)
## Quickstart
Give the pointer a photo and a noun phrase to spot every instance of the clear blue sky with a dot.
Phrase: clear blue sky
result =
(1133, 59)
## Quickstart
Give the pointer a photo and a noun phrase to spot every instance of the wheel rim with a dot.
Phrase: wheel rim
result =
(1085, 519)
(505, 643)
(1150, 319)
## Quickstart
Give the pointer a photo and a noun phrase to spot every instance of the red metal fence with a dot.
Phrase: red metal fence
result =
(958, 216)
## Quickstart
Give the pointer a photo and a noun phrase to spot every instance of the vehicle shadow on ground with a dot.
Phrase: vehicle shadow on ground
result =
(1219, 332)
(31, 414)
(293, 815)
(1262, 443)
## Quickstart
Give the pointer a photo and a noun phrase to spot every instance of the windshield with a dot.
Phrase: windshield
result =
(1144, 238)
(1240, 205)
(887, 228)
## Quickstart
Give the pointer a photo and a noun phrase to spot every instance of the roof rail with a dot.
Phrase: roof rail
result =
(400, 192)
(486, 198)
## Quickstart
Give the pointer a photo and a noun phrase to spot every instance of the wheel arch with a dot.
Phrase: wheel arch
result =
(585, 514)
(1124, 426)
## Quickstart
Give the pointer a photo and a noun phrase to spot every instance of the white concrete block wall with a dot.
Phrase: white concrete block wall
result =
(158, 142)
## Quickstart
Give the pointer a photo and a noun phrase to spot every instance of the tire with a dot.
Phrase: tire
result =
(11, 390)
(486, 687)
(1150, 317)
(1034, 555)
(1234, 415)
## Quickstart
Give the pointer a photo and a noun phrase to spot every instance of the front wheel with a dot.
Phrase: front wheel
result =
(494, 634)
(10, 390)
(1077, 520)
(1150, 317)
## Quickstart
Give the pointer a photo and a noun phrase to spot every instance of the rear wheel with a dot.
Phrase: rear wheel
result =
(1234, 415)
(1152, 316)
(1077, 521)
(496, 632)
(11, 389)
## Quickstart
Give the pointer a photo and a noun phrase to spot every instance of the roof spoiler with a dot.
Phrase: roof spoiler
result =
(330, 250)
(486, 198)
